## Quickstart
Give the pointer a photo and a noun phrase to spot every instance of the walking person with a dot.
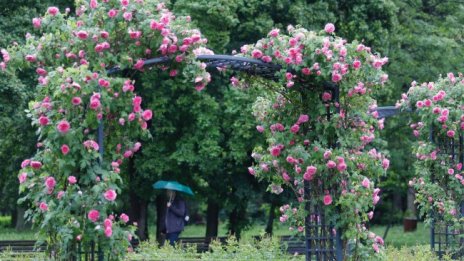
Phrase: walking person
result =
(175, 217)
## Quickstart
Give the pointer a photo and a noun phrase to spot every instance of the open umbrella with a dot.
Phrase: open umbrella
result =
(172, 185)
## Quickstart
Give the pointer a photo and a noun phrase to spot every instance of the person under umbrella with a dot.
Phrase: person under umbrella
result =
(174, 217)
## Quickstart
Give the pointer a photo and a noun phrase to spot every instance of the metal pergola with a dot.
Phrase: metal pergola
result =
(323, 242)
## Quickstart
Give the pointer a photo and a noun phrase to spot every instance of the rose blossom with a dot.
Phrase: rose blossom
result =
(64, 149)
(93, 215)
(329, 28)
(50, 182)
(124, 218)
(36, 164)
(43, 120)
(53, 10)
(72, 180)
(22, 177)
(63, 126)
(43, 206)
(110, 195)
(327, 199)
(36, 22)
(147, 115)
(365, 183)
(76, 101)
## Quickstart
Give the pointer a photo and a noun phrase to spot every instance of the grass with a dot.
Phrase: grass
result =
(397, 238)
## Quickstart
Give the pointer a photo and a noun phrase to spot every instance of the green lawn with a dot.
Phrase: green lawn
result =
(397, 238)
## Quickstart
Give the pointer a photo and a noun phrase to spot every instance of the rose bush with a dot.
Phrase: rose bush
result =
(70, 187)
(438, 127)
(325, 137)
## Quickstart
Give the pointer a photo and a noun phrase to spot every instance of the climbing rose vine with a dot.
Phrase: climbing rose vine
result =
(322, 129)
(439, 114)
(71, 190)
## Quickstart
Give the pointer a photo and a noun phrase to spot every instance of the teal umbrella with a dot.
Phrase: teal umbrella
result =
(172, 185)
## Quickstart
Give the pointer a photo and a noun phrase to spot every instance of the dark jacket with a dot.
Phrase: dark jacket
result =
(174, 216)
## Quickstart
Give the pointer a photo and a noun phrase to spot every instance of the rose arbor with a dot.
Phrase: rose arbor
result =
(440, 155)
(70, 188)
(318, 116)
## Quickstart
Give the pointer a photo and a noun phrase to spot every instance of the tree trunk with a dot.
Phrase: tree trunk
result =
(139, 213)
(160, 209)
(410, 202)
(138, 206)
(212, 219)
(398, 202)
(270, 220)
(233, 223)
(20, 222)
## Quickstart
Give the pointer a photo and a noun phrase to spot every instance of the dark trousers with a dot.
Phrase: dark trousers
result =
(172, 237)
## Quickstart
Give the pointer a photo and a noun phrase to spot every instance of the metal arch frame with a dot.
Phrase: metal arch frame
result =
(266, 70)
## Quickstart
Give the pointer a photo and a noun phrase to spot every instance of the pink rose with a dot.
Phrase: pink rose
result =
(303, 118)
(124, 2)
(331, 164)
(93, 215)
(311, 170)
(375, 199)
(63, 126)
(127, 16)
(370, 215)
(79, 237)
(43, 206)
(76, 101)
(37, 22)
(53, 10)
(365, 183)
(124, 218)
(329, 28)
(139, 65)
(357, 64)
(94, 104)
(110, 195)
(385, 164)
(327, 199)
(104, 34)
(275, 151)
(147, 115)
(131, 116)
(375, 247)
(251, 171)
(341, 167)
(36, 164)
(64, 149)
(72, 180)
(295, 128)
(25, 163)
(137, 101)
(450, 133)
(108, 231)
(31, 58)
(82, 35)
(127, 154)
(137, 146)
(112, 13)
(22, 177)
(50, 182)
(60, 195)
(91, 144)
(260, 128)
(108, 223)
(93, 4)
(43, 120)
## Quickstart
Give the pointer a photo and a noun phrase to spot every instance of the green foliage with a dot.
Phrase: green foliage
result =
(265, 249)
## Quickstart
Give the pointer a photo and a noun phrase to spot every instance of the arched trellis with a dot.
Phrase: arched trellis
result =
(322, 240)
